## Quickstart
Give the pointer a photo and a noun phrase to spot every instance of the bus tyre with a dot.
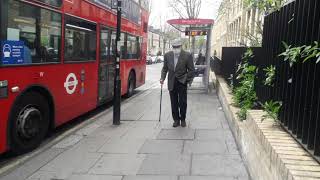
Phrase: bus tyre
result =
(29, 122)
(131, 85)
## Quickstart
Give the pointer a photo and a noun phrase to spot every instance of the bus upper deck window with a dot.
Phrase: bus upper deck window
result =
(56, 3)
(36, 30)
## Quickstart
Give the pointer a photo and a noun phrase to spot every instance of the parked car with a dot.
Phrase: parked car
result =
(149, 60)
(160, 59)
(154, 59)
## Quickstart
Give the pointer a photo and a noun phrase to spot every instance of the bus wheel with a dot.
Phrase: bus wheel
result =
(131, 85)
(29, 122)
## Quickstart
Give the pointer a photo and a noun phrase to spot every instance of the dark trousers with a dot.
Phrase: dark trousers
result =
(178, 97)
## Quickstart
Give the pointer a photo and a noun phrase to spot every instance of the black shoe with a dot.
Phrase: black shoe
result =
(183, 123)
(176, 124)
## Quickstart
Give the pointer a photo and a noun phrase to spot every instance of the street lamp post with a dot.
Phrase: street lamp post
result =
(117, 80)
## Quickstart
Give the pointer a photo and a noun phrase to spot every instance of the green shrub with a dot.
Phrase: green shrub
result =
(244, 94)
(303, 53)
(270, 75)
(272, 109)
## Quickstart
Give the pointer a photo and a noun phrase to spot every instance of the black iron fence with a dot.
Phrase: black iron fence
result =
(231, 58)
(297, 87)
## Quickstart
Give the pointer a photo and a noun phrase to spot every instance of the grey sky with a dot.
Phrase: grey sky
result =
(161, 12)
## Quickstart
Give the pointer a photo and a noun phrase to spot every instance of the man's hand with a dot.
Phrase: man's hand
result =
(161, 81)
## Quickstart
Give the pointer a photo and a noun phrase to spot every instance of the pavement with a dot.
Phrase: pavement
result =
(141, 148)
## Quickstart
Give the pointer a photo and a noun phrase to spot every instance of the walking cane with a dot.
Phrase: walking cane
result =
(156, 127)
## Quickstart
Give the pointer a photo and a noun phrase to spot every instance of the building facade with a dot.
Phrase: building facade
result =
(236, 25)
(157, 43)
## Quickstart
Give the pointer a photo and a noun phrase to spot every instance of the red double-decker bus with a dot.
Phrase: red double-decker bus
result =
(57, 62)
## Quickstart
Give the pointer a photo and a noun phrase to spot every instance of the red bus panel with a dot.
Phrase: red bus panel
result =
(59, 59)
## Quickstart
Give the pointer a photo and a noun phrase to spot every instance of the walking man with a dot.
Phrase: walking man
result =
(179, 64)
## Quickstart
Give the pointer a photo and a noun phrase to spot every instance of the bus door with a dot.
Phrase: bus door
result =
(107, 65)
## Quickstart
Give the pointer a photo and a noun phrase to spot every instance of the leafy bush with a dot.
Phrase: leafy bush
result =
(244, 94)
(291, 54)
(304, 53)
(312, 51)
(270, 75)
(272, 109)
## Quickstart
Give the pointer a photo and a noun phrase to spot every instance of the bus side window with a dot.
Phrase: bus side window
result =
(113, 47)
(123, 45)
(80, 40)
(39, 29)
(104, 44)
(133, 47)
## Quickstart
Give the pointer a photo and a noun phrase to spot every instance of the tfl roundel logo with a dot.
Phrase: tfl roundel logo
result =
(71, 83)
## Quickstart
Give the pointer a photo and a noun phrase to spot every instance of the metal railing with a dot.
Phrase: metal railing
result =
(297, 87)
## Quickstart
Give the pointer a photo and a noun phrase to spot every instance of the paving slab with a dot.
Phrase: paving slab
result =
(206, 178)
(91, 144)
(209, 113)
(118, 146)
(146, 177)
(166, 164)
(206, 125)
(33, 165)
(108, 131)
(140, 133)
(219, 134)
(118, 164)
(162, 147)
(94, 177)
(232, 147)
(145, 124)
(68, 142)
(205, 147)
(243, 178)
(177, 134)
(88, 129)
(71, 161)
(218, 165)
(225, 124)
(167, 125)
(46, 175)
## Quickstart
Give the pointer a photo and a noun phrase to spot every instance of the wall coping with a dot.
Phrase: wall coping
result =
(285, 158)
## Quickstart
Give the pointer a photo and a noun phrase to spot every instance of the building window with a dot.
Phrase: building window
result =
(80, 40)
(37, 30)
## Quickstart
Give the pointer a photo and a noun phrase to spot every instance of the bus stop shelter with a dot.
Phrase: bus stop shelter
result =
(192, 28)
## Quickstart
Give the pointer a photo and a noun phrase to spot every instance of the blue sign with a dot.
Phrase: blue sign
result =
(12, 52)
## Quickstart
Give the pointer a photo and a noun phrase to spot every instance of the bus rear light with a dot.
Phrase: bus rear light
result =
(4, 89)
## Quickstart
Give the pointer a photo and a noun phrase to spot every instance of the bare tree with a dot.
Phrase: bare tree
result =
(187, 9)
(151, 19)
(265, 7)
(169, 33)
